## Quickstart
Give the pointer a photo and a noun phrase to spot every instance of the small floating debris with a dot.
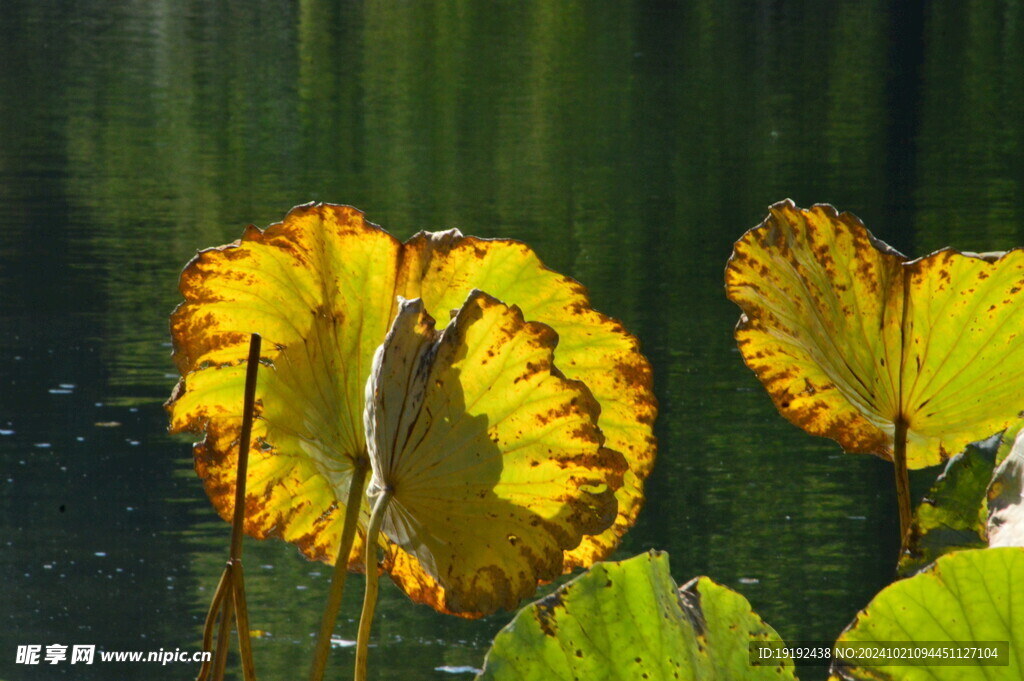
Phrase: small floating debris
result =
(67, 386)
(5, 431)
(339, 642)
(856, 517)
(462, 669)
(107, 424)
(42, 445)
(100, 554)
(59, 391)
(749, 580)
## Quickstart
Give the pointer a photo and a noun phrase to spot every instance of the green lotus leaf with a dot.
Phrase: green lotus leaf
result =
(974, 503)
(627, 620)
(967, 599)
(953, 514)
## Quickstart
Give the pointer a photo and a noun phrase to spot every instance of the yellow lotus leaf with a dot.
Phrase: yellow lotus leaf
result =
(851, 338)
(442, 268)
(493, 461)
(313, 288)
(321, 288)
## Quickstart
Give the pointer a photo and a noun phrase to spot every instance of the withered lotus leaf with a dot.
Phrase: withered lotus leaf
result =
(851, 338)
(321, 288)
(1005, 497)
(494, 461)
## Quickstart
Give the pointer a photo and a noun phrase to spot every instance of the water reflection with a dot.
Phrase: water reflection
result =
(629, 143)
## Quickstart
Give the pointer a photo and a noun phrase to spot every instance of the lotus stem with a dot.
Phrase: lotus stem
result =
(220, 658)
(232, 580)
(899, 460)
(348, 534)
(211, 619)
(370, 596)
(248, 404)
(242, 622)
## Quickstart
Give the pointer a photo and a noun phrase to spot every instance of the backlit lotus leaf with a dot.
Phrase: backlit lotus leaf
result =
(968, 604)
(442, 269)
(628, 620)
(321, 288)
(494, 460)
(849, 336)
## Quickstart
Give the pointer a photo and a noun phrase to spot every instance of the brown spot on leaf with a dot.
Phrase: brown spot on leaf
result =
(546, 612)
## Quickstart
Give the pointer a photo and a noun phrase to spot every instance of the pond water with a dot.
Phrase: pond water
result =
(629, 143)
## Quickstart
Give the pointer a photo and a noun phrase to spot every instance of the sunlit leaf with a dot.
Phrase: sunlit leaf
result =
(443, 268)
(627, 620)
(494, 461)
(321, 288)
(953, 514)
(849, 337)
(970, 598)
(318, 288)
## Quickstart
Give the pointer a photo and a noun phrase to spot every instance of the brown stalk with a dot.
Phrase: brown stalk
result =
(232, 579)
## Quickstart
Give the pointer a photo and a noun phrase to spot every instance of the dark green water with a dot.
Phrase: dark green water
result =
(629, 143)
